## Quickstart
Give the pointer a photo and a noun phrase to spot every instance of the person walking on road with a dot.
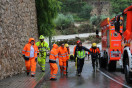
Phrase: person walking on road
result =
(75, 59)
(52, 60)
(43, 47)
(95, 54)
(80, 54)
(68, 49)
(63, 58)
(29, 52)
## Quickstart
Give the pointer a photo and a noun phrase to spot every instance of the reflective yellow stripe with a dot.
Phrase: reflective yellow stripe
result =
(62, 56)
(81, 54)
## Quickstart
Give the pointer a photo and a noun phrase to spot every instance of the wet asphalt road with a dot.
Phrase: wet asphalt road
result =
(88, 79)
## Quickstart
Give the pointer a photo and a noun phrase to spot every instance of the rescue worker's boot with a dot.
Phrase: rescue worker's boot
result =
(27, 73)
(53, 79)
(79, 74)
(32, 75)
(93, 68)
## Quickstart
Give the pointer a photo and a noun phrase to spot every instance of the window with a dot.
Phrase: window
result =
(124, 22)
(108, 37)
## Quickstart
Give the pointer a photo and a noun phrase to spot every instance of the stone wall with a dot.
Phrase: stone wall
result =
(100, 7)
(17, 24)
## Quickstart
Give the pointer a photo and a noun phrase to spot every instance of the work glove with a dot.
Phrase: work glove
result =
(26, 58)
(36, 59)
(37, 54)
(23, 56)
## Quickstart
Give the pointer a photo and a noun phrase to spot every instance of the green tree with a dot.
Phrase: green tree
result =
(47, 10)
(73, 6)
(63, 21)
(119, 5)
(85, 12)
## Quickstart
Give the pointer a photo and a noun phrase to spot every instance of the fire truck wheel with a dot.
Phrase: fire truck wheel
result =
(112, 66)
(127, 75)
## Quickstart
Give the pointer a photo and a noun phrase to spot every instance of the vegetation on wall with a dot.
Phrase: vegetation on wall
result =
(47, 10)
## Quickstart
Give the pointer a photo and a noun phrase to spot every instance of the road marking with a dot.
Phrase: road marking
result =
(114, 79)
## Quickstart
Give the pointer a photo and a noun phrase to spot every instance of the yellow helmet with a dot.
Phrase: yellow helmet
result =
(94, 45)
(41, 37)
(66, 45)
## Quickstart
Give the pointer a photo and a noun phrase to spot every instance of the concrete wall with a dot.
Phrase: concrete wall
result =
(17, 24)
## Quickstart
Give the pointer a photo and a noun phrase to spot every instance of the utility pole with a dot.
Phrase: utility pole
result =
(50, 43)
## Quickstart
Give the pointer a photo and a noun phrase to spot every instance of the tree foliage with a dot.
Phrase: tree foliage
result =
(85, 12)
(80, 7)
(47, 10)
(119, 5)
(63, 21)
(73, 6)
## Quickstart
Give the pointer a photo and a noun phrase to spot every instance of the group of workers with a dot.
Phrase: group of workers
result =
(33, 52)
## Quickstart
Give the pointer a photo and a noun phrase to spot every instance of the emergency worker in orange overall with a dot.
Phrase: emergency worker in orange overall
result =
(30, 52)
(95, 55)
(68, 49)
(52, 60)
(63, 57)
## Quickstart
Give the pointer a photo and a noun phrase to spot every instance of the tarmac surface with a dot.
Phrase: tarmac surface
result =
(101, 78)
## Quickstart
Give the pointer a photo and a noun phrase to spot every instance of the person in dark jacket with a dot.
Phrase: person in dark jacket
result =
(80, 54)
(95, 56)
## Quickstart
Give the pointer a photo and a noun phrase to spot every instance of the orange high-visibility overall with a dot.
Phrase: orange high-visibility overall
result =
(30, 63)
(63, 57)
(74, 50)
(52, 60)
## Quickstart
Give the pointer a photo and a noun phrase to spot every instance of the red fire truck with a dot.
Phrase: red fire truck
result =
(126, 41)
(111, 45)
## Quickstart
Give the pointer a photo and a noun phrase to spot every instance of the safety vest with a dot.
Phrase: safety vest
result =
(42, 48)
(81, 54)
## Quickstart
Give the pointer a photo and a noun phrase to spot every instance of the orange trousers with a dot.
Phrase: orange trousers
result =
(62, 66)
(53, 70)
(31, 65)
